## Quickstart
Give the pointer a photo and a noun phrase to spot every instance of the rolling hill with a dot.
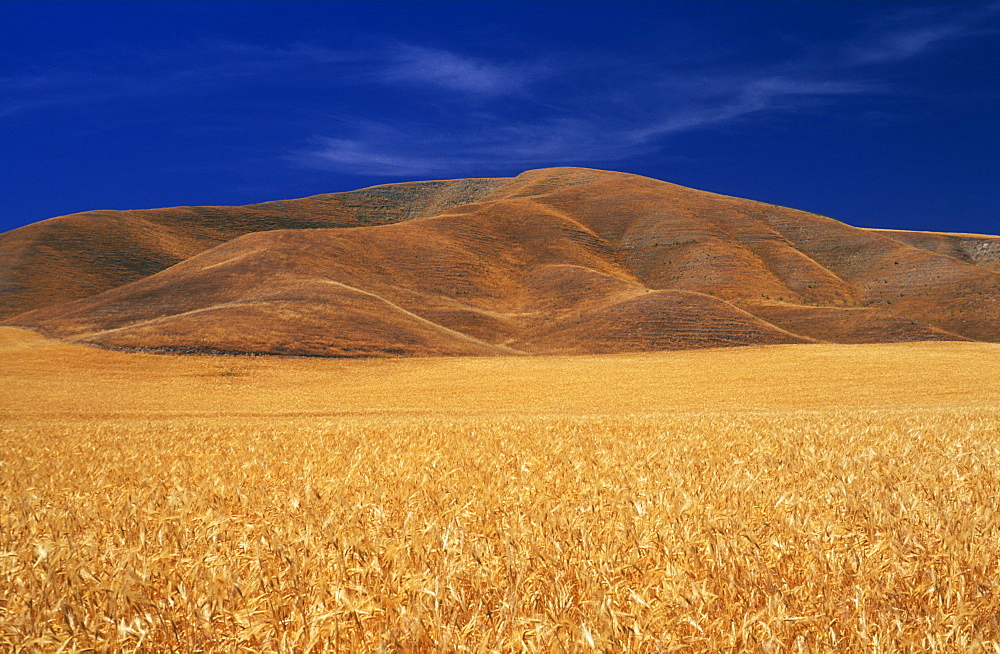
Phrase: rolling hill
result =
(553, 261)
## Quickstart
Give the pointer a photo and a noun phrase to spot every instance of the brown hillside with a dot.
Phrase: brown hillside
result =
(977, 249)
(80, 255)
(559, 260)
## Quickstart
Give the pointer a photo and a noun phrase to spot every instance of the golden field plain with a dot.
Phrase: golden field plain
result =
(797, 498)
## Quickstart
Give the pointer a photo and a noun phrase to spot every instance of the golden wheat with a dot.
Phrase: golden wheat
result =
(823, 531)
(698, 501)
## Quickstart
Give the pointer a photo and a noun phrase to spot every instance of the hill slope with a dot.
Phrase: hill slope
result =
(80, 255)
(561, 260)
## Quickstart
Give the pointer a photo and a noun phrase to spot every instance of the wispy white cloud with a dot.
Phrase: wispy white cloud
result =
(915, 31)
(417, 65)
(743, 96)
(402, 150)
(492, 143)
(215, 64)
(903, 44)
(366, 157)
(624, 117)
(493, 113)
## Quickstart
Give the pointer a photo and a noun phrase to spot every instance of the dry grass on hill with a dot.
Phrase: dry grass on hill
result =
(284, 509)
(553, 261)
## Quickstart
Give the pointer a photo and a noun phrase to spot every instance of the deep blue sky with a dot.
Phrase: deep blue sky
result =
(879, 114)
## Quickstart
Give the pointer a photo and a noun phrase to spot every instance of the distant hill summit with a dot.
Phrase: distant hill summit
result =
(553, 261)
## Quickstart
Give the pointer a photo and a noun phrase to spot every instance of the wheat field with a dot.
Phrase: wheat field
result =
(742, 500)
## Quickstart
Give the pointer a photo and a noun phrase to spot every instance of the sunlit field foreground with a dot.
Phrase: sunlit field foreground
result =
(231, 504)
